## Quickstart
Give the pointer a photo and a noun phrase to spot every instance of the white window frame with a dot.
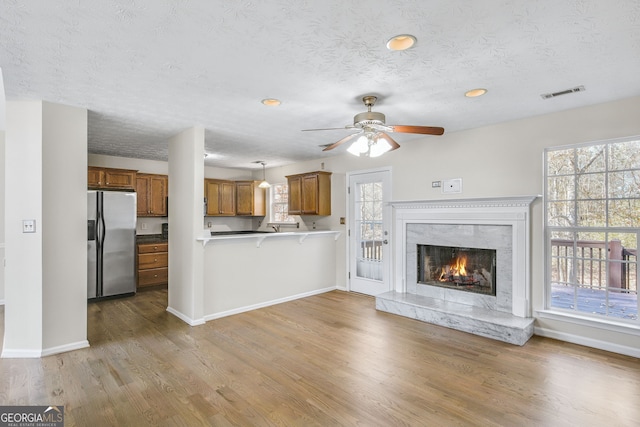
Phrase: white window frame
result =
(573, 315)
(289, 219)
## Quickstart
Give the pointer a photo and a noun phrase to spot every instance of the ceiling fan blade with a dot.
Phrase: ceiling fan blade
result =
(394, 145)
(342, 128)
(425, 130)
(342, 141)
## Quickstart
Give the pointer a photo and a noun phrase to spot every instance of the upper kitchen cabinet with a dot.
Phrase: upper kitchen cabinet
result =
(250, 199)
(221, 197)
(152, 194)
(108, 178)
(310, 193)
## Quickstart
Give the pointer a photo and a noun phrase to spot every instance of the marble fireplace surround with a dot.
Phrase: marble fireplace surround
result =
(501, 223)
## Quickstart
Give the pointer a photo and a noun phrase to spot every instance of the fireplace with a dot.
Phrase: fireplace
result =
(431, 236)
(461, 268)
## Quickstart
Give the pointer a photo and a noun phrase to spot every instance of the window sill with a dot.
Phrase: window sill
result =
(606, 324)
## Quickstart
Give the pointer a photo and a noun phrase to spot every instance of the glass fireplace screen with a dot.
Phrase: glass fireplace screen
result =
(465, 269)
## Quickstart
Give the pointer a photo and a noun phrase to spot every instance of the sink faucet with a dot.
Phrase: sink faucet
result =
(276, 228)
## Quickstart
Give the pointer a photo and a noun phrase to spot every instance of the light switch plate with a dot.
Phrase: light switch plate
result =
(452, 185)
(29, 226)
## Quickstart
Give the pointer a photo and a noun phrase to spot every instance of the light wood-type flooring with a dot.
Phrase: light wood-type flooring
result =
(326, 360)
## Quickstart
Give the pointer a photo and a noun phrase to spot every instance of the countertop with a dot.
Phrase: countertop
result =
(259, 237)
(150, 238)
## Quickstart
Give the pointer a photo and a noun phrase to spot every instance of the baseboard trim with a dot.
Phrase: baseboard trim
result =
(189, 321)
(36, 354)
(588, 342)
(20, 354)
(267, 303)
(64, 348)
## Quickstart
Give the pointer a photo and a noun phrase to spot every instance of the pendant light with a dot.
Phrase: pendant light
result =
(264, 183)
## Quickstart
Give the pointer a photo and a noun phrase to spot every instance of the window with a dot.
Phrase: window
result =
(592, 216)
(280, 204)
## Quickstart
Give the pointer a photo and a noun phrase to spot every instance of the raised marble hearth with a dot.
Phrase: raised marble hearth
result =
(463, 317)
(500, 224)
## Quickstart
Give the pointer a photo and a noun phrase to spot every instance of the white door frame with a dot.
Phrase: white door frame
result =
(350, 218)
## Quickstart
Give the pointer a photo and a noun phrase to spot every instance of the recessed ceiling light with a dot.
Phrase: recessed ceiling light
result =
(401, 42)
(271, 102)
(475, 92)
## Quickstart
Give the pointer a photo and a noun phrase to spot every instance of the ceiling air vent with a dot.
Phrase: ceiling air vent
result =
(563, 92)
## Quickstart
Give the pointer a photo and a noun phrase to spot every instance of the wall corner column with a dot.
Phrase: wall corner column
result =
(186, 255)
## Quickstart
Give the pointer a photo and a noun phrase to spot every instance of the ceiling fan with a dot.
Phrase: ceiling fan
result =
(374, 140)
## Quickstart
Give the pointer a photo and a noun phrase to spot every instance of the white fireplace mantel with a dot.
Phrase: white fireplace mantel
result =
(510, 211)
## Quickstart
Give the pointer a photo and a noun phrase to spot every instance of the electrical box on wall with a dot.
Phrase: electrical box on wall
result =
(452, 185)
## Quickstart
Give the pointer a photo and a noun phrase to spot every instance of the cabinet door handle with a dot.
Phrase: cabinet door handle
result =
(155, 248)
(155, 275)
(155, 260)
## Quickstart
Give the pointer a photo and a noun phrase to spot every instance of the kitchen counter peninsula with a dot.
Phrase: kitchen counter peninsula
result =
(247, 271)
(260, 236)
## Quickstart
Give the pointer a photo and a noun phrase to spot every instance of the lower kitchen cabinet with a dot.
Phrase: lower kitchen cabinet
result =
(153, 264)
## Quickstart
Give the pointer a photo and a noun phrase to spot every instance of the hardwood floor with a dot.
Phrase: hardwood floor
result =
(326, 360)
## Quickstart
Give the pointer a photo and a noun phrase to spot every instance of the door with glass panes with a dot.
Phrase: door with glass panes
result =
(369, 227)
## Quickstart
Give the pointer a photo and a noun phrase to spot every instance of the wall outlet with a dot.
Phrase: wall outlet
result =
(29, 226)
(209, 224)
(436, 184)
(143, 226)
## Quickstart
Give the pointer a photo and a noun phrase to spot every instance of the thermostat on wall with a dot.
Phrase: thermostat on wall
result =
(452, 185)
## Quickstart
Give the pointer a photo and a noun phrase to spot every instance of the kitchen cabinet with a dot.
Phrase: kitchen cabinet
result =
(221, 197)
(152, 193)
(250, 199)
(109, 178)
(153, 264)
(310, 193)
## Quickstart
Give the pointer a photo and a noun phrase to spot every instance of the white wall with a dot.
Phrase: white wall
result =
(281, 269)
(3, 110)
(64, 229)
(2, 183)
(186, 186)
(500, 160)
(46, 271)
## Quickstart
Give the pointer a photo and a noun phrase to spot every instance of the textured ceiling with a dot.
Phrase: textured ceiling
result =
(147, 69)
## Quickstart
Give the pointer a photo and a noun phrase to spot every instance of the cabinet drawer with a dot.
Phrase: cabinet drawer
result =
(146, 248)
(154, 276)
(153, 260)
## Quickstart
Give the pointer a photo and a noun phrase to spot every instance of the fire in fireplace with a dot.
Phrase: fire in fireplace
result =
(465, 269)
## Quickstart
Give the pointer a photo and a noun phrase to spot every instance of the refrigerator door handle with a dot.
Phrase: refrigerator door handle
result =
(100, 235)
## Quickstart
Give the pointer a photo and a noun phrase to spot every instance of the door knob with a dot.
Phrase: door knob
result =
(385, 241)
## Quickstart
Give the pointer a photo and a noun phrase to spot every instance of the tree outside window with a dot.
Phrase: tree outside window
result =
(280, 204)
(592, 208)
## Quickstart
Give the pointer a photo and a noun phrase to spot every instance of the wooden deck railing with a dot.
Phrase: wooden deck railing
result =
(591, 264)
(371, 250)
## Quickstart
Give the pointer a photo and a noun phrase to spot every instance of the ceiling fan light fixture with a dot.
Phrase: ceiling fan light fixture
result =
(473, 93)
(379, 147)
(369, 146)
(359, 147)
(271, 102)
(401, 42)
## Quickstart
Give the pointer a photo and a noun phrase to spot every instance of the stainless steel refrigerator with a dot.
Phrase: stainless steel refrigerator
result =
(111, 244)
